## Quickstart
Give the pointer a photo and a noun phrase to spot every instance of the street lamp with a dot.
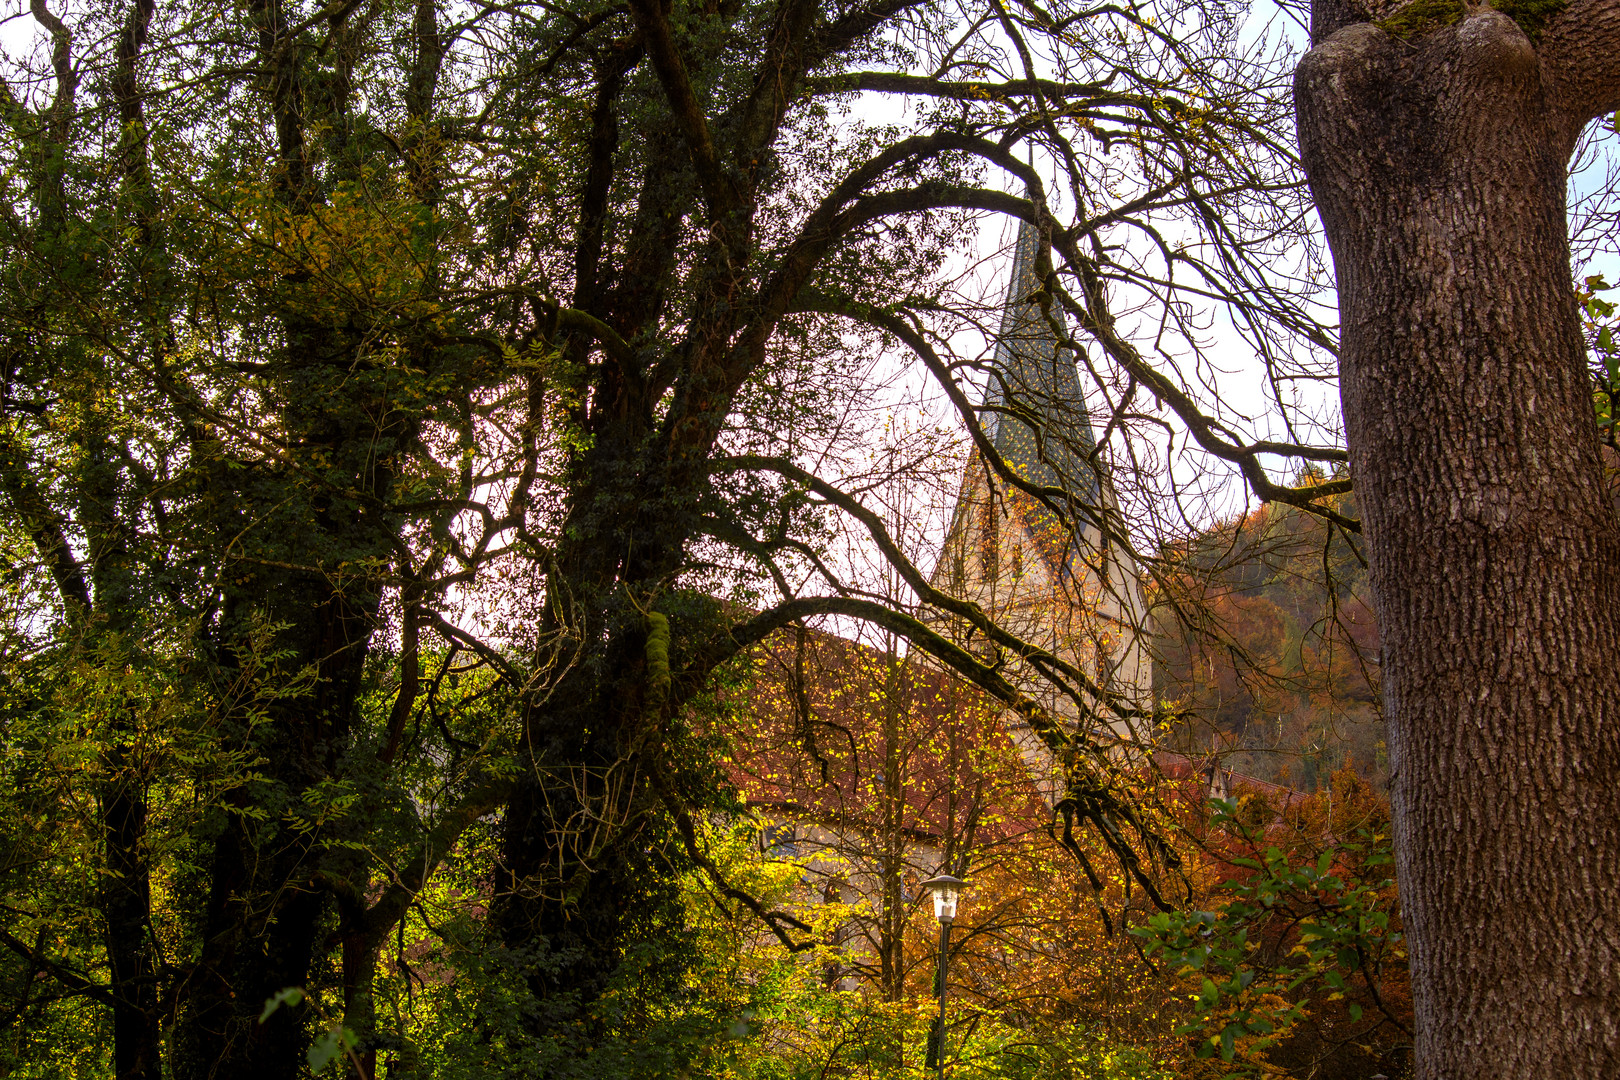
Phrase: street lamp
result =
(947, 890)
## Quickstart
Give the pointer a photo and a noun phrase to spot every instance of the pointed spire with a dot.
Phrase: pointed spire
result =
(1038, 375)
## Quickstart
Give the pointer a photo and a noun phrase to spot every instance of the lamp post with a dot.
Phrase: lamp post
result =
(947, 891)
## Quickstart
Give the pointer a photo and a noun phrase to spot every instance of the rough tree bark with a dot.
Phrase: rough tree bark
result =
(1436, 142)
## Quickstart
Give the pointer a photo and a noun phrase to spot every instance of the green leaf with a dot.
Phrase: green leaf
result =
(292, 996)
(330, 1045)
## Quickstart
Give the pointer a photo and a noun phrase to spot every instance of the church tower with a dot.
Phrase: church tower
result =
(1061, 585)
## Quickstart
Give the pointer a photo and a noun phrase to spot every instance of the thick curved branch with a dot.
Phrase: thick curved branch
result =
(45, 531)
(690, 116)
(413, 873)
(1062, 673)
(779, 922)
(844, 209)
(842, 213)
(857, 24)
(1580, 50)
(614, 345)
(60, 972)
(1067, 746)
(457, 636)
(894, 82)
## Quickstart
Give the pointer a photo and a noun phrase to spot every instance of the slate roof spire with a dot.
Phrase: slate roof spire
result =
(1038, 374)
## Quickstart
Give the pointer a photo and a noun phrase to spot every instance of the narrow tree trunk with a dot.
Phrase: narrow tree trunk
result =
(359, 968)
(893, 926)
(127, 908)
(126, 893)
(1438, 165)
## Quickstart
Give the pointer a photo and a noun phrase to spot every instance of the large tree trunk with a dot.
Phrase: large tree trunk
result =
(1438, 164)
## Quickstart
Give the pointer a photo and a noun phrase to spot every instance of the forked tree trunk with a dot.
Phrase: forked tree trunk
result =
(1438, 165)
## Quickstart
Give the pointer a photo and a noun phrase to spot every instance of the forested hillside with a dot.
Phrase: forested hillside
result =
(1268, 652)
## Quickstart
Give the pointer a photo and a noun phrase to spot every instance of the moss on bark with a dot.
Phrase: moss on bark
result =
(1426, 16)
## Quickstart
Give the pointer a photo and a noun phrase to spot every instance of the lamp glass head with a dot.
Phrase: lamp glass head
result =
(947, 891)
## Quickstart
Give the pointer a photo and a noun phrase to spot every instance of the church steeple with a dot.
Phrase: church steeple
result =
(1034, 409)
(1065, 589)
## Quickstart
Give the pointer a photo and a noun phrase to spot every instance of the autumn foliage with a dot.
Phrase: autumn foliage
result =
(1268, 651)
(866, 772)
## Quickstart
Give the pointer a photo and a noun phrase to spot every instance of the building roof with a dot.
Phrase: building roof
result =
(826, 716)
